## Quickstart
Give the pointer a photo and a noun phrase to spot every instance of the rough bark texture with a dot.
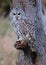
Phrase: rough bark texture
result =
(33, 9)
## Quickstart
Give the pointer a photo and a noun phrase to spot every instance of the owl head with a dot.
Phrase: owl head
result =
(17, 14)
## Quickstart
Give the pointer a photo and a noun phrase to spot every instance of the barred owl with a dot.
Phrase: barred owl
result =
(22, 25)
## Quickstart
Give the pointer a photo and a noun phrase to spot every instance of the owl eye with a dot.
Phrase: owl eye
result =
(14, 14)
(19, 13)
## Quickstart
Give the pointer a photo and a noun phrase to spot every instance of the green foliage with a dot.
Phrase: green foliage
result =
(5, 3)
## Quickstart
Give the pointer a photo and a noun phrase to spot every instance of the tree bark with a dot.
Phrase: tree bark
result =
(33, 9)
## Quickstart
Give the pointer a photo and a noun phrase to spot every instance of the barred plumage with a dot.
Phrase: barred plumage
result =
(21, 24)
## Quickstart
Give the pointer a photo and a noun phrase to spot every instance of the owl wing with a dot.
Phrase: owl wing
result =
(26, 29)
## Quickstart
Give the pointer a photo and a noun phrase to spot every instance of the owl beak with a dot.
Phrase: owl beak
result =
(16, 17)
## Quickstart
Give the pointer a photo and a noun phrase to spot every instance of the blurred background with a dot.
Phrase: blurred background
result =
(8, 53)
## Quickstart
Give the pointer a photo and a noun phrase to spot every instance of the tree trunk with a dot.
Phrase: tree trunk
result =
(33, 9)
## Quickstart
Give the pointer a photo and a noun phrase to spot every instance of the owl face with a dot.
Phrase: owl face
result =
(17, 14)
